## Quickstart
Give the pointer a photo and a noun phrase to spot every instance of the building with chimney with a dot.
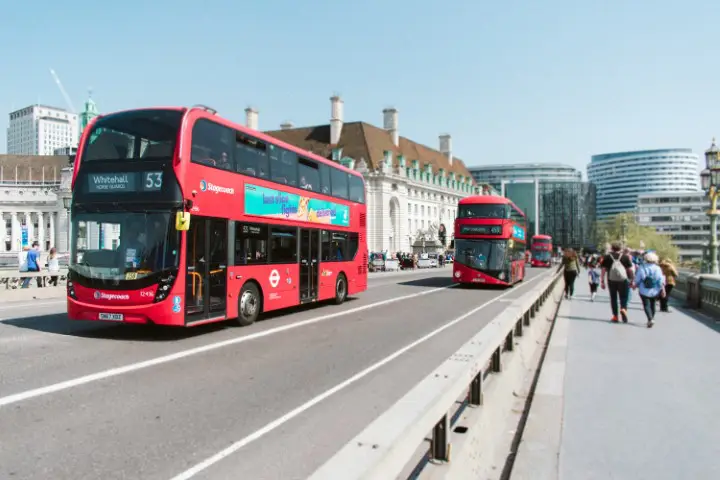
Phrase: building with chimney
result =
(412, 189)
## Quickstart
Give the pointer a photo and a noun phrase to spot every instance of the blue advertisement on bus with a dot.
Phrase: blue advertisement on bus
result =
(271, 203)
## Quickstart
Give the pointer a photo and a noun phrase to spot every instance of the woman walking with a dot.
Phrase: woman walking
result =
(571, 268)
(671, 274)
(650, 282)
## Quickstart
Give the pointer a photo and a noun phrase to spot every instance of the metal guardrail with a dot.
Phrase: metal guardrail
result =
(12, 280)
(388, 446)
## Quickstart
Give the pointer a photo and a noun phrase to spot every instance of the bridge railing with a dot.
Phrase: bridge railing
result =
(389, 446)
(700, 291)
(12, 280)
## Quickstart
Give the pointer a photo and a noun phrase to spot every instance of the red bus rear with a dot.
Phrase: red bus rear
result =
(541, 251)
(180, 217)
(489, 241)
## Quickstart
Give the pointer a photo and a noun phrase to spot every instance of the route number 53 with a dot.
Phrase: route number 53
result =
(153, 180)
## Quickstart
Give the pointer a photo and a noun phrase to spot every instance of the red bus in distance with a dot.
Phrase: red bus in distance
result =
(489, 241)
(180, 217)
(541, 251)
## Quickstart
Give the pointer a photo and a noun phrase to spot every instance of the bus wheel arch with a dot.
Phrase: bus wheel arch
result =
(250, 303)
(341, 288)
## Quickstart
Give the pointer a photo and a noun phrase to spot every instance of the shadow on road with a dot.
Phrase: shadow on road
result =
(699, 316)
(428, 282)
(600, 320)
(60, 324)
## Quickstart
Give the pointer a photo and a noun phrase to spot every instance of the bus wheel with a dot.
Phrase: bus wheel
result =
(248, 305)
(340, 289)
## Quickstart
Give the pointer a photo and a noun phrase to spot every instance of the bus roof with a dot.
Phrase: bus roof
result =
(489, 200)
(542, 237)
(484, 199)
(210, 114)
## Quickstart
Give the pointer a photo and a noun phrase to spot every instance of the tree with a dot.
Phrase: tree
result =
(625, 227)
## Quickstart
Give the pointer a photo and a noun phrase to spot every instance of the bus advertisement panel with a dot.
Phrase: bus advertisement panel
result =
(489, 241)
(180, 217)
(541, 251)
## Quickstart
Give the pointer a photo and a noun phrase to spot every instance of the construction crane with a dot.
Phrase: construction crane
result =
(62, 90)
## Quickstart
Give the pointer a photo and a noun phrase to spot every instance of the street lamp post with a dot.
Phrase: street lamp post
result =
(711, 183)
(623, 231)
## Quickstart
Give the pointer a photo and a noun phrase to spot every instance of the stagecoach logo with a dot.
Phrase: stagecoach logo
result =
(211, 187)
(111, 296)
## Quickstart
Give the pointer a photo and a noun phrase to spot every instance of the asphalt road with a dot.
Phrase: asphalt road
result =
(274, 400)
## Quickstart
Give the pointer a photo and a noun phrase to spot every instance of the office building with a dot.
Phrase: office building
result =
(621, 177)
(682, 216)
(40, 130)
(553, 196)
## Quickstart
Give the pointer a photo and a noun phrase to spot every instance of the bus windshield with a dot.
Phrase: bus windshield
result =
(542, 256)
(491, 210)
(481, 254)
(542, 241)
(133, 135)
(124, 245)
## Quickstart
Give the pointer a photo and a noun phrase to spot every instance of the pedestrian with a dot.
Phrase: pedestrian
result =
(593, 279)
(650, 282)
(671, 275)
(571, 268)
(617, 267)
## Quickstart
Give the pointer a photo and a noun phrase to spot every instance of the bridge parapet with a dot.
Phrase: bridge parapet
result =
(391, 446)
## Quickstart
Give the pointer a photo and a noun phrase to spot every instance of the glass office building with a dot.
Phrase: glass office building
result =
(553, 196)
(621, 177)
(568, 213)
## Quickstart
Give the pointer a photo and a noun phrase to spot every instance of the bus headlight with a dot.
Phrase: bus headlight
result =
(164, 286)
(70, 286)
(457, 274)
(501, 276)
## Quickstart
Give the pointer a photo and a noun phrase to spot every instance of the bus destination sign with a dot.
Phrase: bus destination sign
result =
(126, 182)
(481, 229)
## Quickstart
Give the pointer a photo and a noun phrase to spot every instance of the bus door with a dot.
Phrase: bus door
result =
(309, 264)
(206, 279)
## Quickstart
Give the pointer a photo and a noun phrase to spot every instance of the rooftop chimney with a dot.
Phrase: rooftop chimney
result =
(446, 146)
(251, 118)
(286, 125)
(390, 123)
(336, 119)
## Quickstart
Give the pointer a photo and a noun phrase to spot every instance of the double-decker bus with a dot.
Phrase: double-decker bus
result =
(489, 241)
(541, 251)
(180, 217)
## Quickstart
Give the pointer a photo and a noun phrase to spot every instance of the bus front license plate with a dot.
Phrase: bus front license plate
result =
(479, 280)
(114, 317)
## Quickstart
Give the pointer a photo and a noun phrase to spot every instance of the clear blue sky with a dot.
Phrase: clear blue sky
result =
(513, 81)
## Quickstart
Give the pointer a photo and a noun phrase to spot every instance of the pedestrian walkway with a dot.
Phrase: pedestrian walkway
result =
(621, 401)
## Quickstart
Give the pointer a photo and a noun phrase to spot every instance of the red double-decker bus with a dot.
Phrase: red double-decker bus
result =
(541, 251)
(489, 241)
(180, 217)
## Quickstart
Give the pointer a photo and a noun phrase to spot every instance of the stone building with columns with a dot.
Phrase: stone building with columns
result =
(412, 189)
(32, 188)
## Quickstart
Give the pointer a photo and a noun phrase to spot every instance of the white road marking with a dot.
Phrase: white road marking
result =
(113, 372)
(340, 386)
(13, 306)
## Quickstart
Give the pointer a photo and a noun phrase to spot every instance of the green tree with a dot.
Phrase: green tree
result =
(624, 227)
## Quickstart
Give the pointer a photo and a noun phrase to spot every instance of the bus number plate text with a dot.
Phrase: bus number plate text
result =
(115, 317)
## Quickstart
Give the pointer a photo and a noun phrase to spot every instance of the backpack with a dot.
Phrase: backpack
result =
(650, 280)
(618, 272)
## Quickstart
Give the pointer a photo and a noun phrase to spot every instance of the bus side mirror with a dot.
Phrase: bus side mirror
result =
(182, 221)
